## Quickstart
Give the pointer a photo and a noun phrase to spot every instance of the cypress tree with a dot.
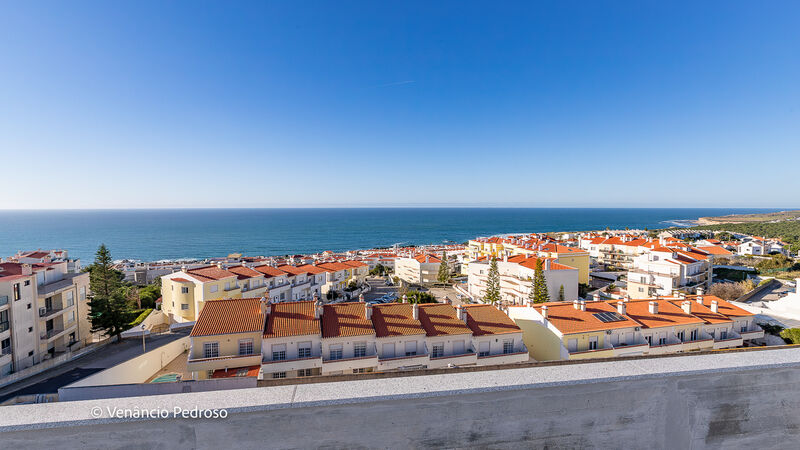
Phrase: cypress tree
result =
(492, 283)
(444, 269)
(540, 294)
(109, 311)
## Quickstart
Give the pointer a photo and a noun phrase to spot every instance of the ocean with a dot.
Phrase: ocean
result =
(152, 235)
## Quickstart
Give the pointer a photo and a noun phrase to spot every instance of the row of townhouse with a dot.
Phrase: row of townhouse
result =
(184, 293)
(43, 308)
(597, 329)
(516, 278)
(306, 338)
(533, 245)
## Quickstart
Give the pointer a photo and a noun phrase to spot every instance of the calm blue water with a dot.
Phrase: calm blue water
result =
(198, 233)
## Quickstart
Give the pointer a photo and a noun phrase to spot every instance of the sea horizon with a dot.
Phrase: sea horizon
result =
(153, 234)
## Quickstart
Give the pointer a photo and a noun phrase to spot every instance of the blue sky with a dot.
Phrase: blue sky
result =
(207, 104)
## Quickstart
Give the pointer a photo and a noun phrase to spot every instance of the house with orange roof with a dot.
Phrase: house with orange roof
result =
(348, 339)
(663, 270)
(185, 292)
(533, 245)
(341, 273)
(516, 275)
(448, 336)
(292, 340)
(496, 338)
(399, 336)
(226, 337)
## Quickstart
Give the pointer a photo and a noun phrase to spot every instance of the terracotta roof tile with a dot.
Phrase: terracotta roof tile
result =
(567, 319)
(439, 319)
(244, 272)
(210, 273)
(345, 319)
(487, 319)
(241, 315)
(395, 319)
(291, 319)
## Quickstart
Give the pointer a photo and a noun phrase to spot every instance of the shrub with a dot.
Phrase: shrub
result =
(727, 291)
(419, 297)
(140, 318)
(791, 335)
(774, 330)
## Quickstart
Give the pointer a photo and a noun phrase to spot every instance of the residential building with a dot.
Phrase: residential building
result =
(292, 340)
(348, 339)
(400, 339)
(533, 245)
(596, 329)
(663, 270)
(495, 337)
(226, 338)
(449, 339)
(184, 293)
(43, 308)
(516, 278)
(419, 269)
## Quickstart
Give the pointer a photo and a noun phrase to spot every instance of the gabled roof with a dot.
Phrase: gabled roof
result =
(241, 315)
(292, 270)
(269, 271)
(668, 314)
(487, 319)
(715, 250)
(703, 312)
(345, 319)
(291, 319)
(395, 319)
(209, 273)
(439, 319)
(243, 272)
(312, 269)
(428, 258)
(334, 266)
(567, 319)
(724, 307)
(530, 262)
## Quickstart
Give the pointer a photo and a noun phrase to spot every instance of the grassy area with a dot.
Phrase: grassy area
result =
(749, 218)
(730, 274)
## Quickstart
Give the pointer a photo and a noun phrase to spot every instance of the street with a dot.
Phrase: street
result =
(110, 355)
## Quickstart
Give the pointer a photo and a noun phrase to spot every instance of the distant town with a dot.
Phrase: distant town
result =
(492, 301)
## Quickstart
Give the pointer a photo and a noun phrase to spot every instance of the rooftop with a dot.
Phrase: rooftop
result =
(241, 315)
(395, 319)
(291, 319)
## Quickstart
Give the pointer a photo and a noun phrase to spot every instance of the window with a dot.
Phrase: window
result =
(30, 353)
(209, 373)
(336, 351)
(82, 293)
(184, 306)
(16, 291)
(723, 334)
(30, 329)
(437, 351)
(359, 349)
(693, 335)
(483, 349)
(593, 343)
(649, 340)
(411, 348)
(27, 283)
(304, 373)
(245, 346)
(228, 286)
(213, 288)
(278, 352)
(361, 370)
(304, 350)
(743, 329)
(283, 295)
(29, 306)
(682, 336)
(184, 290)
(388, 351)
(211, 349)
(71, 317)
(279, 375)
(70, 299)
(662, 341)
(508, 347)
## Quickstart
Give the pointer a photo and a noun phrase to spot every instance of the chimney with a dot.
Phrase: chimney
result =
(653, 307)
(621, 307)
(184, 269)
(699, 299)
(265, 309)
(700, 290)
(576, 304)
(687, 307)
(460, 312)
(546, 264)
(596, 297)
(368, 310)
(544, 312)
(583, 305)
(219, 264)
(415, 311)
(361, 298)
(27, 269)
(714, 306)
(405, 298)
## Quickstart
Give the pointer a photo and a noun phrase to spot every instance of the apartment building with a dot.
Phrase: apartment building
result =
(226, 338)
(663, 270)
(184, 293)
(43, 308)
(419, 269)
(532, 245)
(305, 338)
(341, 273)
(516, 278)
(597, 329)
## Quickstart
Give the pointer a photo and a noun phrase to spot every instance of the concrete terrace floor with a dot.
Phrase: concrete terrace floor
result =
(110, 355)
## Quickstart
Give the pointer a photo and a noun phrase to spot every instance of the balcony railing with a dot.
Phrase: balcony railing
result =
(49, 311)
(4, 326)
(6, 351)
(50, 333)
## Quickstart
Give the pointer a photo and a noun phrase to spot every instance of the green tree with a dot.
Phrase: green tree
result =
(444, 270)
(561, 293)
(413, 296)
(109, 310)
(492, 283)
(540, 294)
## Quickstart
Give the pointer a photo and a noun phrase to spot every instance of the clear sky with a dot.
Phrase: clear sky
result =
(234, 104)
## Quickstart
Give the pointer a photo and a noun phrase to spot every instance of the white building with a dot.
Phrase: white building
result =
(516, 275)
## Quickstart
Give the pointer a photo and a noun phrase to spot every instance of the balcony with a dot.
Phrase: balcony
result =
(4, 326)
(519, 355)
(47, 313)
(636, 347)
(370, 359)
(401, 362)
(469, 358)
(604, 351)
(288, 365)
(222, 362)
(671, 345)
(752, 332)
(50, 334)
(5, 351)
(732, 339)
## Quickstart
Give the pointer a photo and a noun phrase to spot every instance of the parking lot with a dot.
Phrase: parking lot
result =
(378, 289)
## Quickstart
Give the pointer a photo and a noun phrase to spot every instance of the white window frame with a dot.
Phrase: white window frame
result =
(244, 345)
(211, 349)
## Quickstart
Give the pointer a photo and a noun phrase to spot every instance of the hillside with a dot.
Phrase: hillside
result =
(750, 218)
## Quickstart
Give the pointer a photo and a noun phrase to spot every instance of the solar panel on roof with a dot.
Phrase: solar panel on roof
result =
(609, 316)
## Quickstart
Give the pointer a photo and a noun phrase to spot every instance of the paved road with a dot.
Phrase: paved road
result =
(112, 354)
(378, 289)
(770, 295)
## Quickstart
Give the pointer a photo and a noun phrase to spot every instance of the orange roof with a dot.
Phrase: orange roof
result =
(567, 319)
(487, 319)
(181, 280)
(249, 371)
(715, 250)
(395, 319)
(244, 273)
(292, 270)
(209, 273)
(334, 266)
(353, 263)
(439, 319)
(240, 315)
(703, 312)
(668, 314)
(724, 307)
(291, 319)
(312, 269)
(345, 319)
(427, 258)
(530, 262)
(269, 271)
